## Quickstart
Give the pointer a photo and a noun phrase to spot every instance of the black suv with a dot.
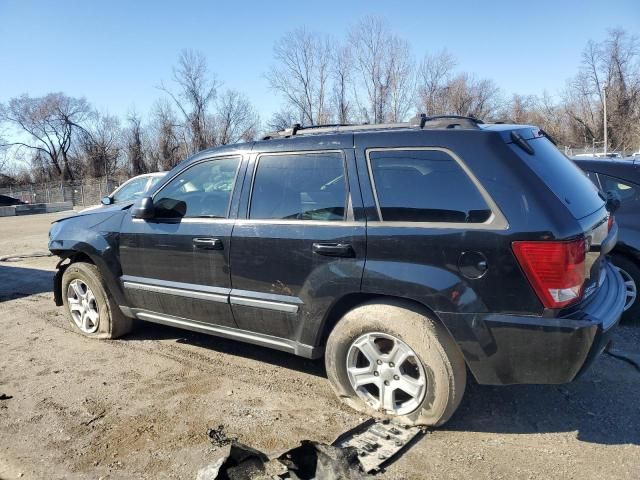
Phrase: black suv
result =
(623, 178)
(403, 254)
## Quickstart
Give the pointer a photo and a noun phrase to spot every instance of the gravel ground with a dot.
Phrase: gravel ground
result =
(140, 407)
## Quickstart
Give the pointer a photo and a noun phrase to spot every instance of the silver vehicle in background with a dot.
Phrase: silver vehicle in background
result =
(132, 189)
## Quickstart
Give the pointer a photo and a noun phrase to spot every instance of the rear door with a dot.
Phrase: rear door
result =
(298, 247)
(430, 233)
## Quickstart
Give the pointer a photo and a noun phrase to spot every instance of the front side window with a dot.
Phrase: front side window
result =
(201, 191)
(311, 186)
(425, 186)
(629, 193)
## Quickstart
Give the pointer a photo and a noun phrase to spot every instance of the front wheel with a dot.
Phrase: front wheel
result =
(386, 359)
(91, 309)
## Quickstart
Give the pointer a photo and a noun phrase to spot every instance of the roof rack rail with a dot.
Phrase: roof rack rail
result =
(420, 121)
(446, 121)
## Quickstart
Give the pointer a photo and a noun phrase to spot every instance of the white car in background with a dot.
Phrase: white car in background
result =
(132, 189)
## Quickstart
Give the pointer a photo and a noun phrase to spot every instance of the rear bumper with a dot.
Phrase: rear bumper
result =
(509, 349)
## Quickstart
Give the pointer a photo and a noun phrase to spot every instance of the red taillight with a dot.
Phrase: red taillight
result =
(556, 270)
(611, 220)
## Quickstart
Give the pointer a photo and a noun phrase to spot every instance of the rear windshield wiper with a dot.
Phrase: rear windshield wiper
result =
(521, 142)
(551, 139)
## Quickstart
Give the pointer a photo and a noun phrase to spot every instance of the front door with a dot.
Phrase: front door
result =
(177, 263)
(298, 247)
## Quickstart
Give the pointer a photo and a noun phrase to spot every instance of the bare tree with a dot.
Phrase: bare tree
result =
(236, 119)
(134, 145)
(196, 91)
(99, 145)
(614, 65)
(301, 74)
(4, 156)
(282, 120)
(385, 67)
(401, 69)
(167, 148)
(342, 77)
(434, 75)
(48, 124)
(441, 91)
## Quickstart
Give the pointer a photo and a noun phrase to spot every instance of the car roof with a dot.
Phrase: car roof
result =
(346, 136)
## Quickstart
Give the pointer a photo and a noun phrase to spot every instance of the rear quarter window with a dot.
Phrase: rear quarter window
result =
(563, 177)
(425, 186)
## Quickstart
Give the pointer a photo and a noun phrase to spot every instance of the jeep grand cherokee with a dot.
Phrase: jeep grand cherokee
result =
(405, 255)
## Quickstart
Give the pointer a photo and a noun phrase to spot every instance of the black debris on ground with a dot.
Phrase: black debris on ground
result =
(315, 460)
(218, 437)
(4, 396)
(354, 455)
(242, 462)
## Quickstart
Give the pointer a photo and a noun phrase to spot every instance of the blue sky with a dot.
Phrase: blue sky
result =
(116, 52)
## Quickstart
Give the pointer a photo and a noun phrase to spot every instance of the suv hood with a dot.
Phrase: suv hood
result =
(93, 212)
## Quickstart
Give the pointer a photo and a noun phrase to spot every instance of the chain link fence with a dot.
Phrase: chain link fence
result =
(81, 193)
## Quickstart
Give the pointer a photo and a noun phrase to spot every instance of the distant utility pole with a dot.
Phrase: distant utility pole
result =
(604, 103)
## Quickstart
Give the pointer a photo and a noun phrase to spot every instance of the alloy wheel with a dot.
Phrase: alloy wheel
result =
(83, 306)
(630, 287)
(386, 373)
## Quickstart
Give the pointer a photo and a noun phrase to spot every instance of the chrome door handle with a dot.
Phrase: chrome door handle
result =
(208, 243)
(334, 249)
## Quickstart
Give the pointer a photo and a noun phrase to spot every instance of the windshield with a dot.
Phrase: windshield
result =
(131, 190)
(152, 183)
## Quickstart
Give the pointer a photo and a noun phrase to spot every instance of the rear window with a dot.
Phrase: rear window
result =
(425, 186)
(563, 177)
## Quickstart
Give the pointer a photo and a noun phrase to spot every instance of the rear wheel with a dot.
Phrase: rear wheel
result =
(630, 272)
(92, 311)
(385, 359)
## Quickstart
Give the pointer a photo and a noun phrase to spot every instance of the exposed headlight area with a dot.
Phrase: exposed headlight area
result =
(54, 232)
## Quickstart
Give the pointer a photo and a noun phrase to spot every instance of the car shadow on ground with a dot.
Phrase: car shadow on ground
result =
(601, 406)
(17, 282)
(151, 331)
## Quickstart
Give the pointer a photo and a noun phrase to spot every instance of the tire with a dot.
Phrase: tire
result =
(110, 322)
(630, 272)
(440, 358)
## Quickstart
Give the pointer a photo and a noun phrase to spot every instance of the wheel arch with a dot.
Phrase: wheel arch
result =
(87, 255)
(354, 300)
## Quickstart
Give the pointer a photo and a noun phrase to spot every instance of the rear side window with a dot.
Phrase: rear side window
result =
(562, 176)
(308, 186)
(425, 186)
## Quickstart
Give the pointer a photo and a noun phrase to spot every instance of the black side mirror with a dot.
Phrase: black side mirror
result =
(143, 208)
(613, 201)
(106, 200)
